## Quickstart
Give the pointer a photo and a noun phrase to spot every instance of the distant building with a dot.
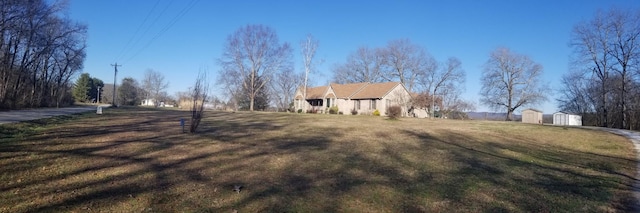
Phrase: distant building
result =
(360, 98)
(148, 102)
(532, 116)
(563, 118)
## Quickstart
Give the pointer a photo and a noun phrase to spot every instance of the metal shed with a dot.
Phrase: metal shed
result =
(563, 118)
(533, 116)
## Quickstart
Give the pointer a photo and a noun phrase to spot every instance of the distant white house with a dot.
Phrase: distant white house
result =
(148, 102)
(563, 118)
(152, 102)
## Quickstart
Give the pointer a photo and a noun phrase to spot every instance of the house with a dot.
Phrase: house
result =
(532, 116)
(362, 98)
(152, 102)
(563, 118)
(148, 102)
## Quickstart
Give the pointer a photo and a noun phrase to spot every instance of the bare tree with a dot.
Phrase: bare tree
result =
(199, 96)
(634, 106)
(591, 46)
(608, 48)
(511, 80)
(577, 95)
(363, 65)
(406, 62)
(308, 47)
(232, 87)
(446, 82)
(253, 52)
(454, 107)
(154, 84)
(424, 100)
(284, 86)
(40, 51)
(625, 52)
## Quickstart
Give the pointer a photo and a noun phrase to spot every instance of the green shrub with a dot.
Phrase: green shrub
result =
(354, 112)
(376, 113)
(394, 112)
(333, 110)
(299, 110)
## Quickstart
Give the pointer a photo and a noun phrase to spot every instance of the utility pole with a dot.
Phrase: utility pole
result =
(115, 73)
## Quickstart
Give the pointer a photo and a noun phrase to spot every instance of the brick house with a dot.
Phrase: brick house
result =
(364, 98)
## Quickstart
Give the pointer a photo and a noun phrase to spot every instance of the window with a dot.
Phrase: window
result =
(356, 104)
(373, 104)
(317, 102)
(328, 102)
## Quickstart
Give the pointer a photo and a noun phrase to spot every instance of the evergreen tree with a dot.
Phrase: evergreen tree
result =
(82, 87)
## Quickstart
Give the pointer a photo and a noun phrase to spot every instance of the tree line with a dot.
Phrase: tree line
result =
(603, 84)
(257, 67)
(435, 84)
(40, 51)
(130, 92)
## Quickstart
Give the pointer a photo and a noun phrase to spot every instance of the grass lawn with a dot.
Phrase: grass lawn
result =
(138, 160)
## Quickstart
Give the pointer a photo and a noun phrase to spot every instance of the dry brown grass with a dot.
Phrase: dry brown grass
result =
(137, 160)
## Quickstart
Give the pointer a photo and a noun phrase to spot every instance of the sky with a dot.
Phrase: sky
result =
(178, 38)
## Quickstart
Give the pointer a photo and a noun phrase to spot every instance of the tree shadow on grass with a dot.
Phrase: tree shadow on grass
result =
(541, 177)
(151, 166)
(284, 164)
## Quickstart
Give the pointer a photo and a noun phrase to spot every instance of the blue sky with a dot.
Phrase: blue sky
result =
(180, 45)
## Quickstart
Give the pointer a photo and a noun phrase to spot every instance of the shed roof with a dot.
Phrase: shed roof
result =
(563, 112)
(531, 109)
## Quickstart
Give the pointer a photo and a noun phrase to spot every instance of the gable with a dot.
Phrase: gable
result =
(316, 92)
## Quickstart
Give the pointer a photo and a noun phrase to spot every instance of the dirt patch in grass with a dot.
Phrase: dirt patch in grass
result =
(138, 160)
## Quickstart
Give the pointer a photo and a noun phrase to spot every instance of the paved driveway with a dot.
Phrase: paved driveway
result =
(14, 116)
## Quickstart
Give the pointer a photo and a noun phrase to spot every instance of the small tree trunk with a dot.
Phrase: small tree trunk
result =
(251, 103)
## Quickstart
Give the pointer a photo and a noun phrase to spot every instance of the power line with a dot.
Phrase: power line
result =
(126, 46)
(147, 29)
(138, 30)
(173, 21)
